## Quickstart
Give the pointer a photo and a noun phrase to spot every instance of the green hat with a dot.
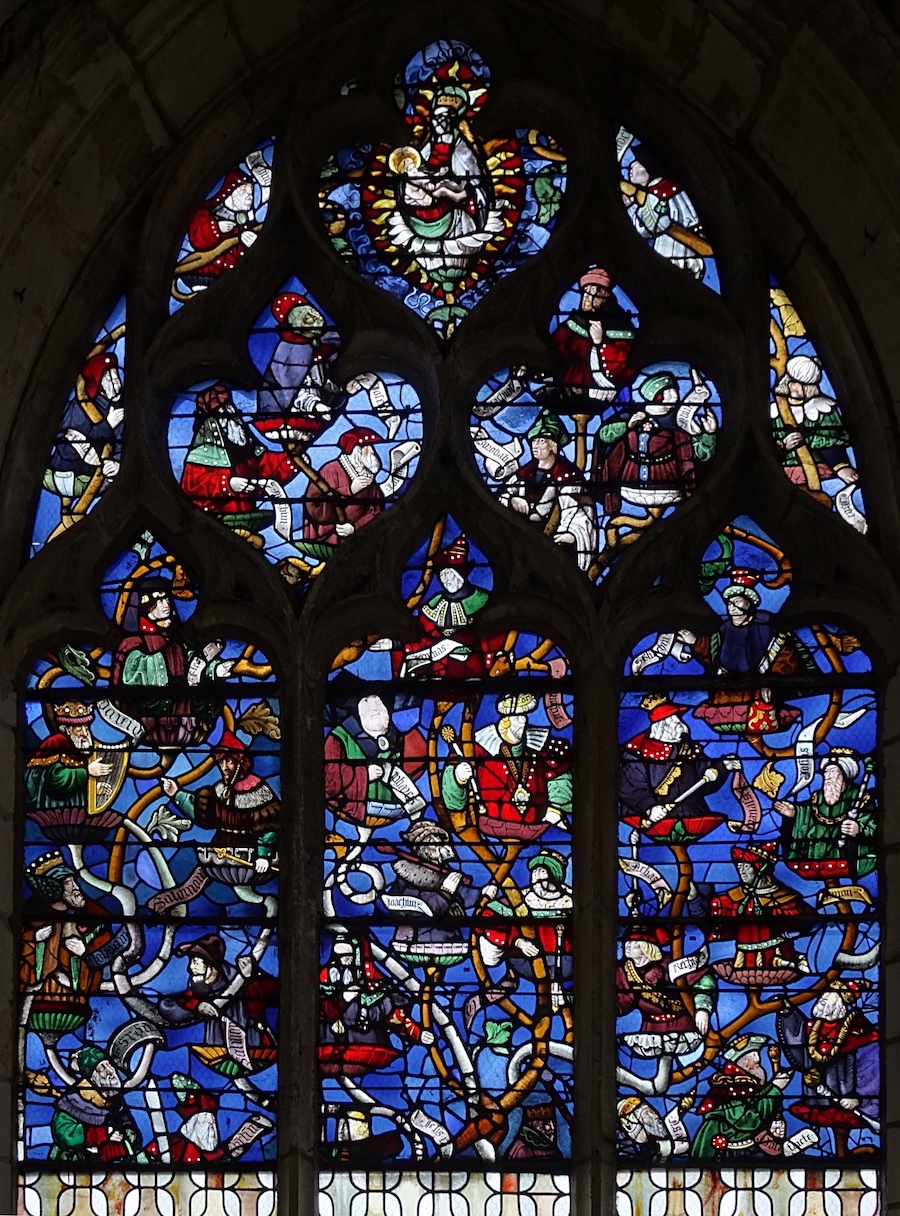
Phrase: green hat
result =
(48, 873)
(88, 1058)
(548, 426)
(554, 863)
(654, 386)
(498, 1034)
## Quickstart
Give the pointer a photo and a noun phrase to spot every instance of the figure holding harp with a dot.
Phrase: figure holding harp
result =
(72, 779)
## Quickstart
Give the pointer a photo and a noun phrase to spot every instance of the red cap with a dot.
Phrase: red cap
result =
(649, 933)
(194, 1101)
(761, 854)
(595, 277)
(233, 179)
(456, 554)
(283, 304)
(229, 743)
(357, 438)
(93, 370)
(209, 399)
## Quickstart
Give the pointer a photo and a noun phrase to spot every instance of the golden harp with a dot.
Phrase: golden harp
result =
(103, 791)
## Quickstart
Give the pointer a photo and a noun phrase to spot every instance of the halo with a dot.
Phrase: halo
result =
(401, 160)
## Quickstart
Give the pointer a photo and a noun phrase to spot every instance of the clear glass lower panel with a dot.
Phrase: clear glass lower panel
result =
(162, 1194)
(748, 1192)
(429, 1193)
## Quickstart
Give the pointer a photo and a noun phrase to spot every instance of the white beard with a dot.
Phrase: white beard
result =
(201, 1130)
(669, 730)
(235, 432)
(830, 1007)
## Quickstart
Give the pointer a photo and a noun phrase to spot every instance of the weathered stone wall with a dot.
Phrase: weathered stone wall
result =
(784, 119)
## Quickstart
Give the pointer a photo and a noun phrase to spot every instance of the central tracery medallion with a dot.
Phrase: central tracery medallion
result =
(437, 221)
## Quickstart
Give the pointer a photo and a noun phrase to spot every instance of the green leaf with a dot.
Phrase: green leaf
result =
(314, 548)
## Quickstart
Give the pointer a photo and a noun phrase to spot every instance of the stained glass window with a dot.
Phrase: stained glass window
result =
(300, 461)
(661, 210)
(446, 1031)
(596, 449)
(87, 447)
(749, 981)
(437, 221)
(807, 422)
(456, 546)
(149, 957)
(224, 227)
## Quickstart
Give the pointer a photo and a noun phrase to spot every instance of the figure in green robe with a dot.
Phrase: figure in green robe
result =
(831, 833)
(742, 1112)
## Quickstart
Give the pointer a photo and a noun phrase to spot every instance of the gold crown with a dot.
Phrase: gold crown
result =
(48, 861)
(653, 700)
(451, 99)
(74, 713)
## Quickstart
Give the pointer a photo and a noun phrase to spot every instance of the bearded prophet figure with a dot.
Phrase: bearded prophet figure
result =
(548, 903)
(831, 833)
(426, 879)
(593, 343)
(837, 1049)
(91, 1121)
(226, 471)
(359, 1012)
(663, 214)
(236, 1038)
(299, 397)
(748, 914)
(224, 226)
(242, 809)
(665, 775)
(345, 495)
(450, 646)
(816, 424)
(58, 780)
(66, 943)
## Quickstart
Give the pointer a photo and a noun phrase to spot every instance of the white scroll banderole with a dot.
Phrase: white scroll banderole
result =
(666, 644)
(689, 964)
(799, 1141)
(500, 459)
(846, 508)
(406, 790)
(121, 721)
(431, 654)
(677, 1130)
(641, 870)
(804, 749)
(277, 495)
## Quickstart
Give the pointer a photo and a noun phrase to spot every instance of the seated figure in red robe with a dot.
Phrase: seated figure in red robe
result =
(745, 915)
